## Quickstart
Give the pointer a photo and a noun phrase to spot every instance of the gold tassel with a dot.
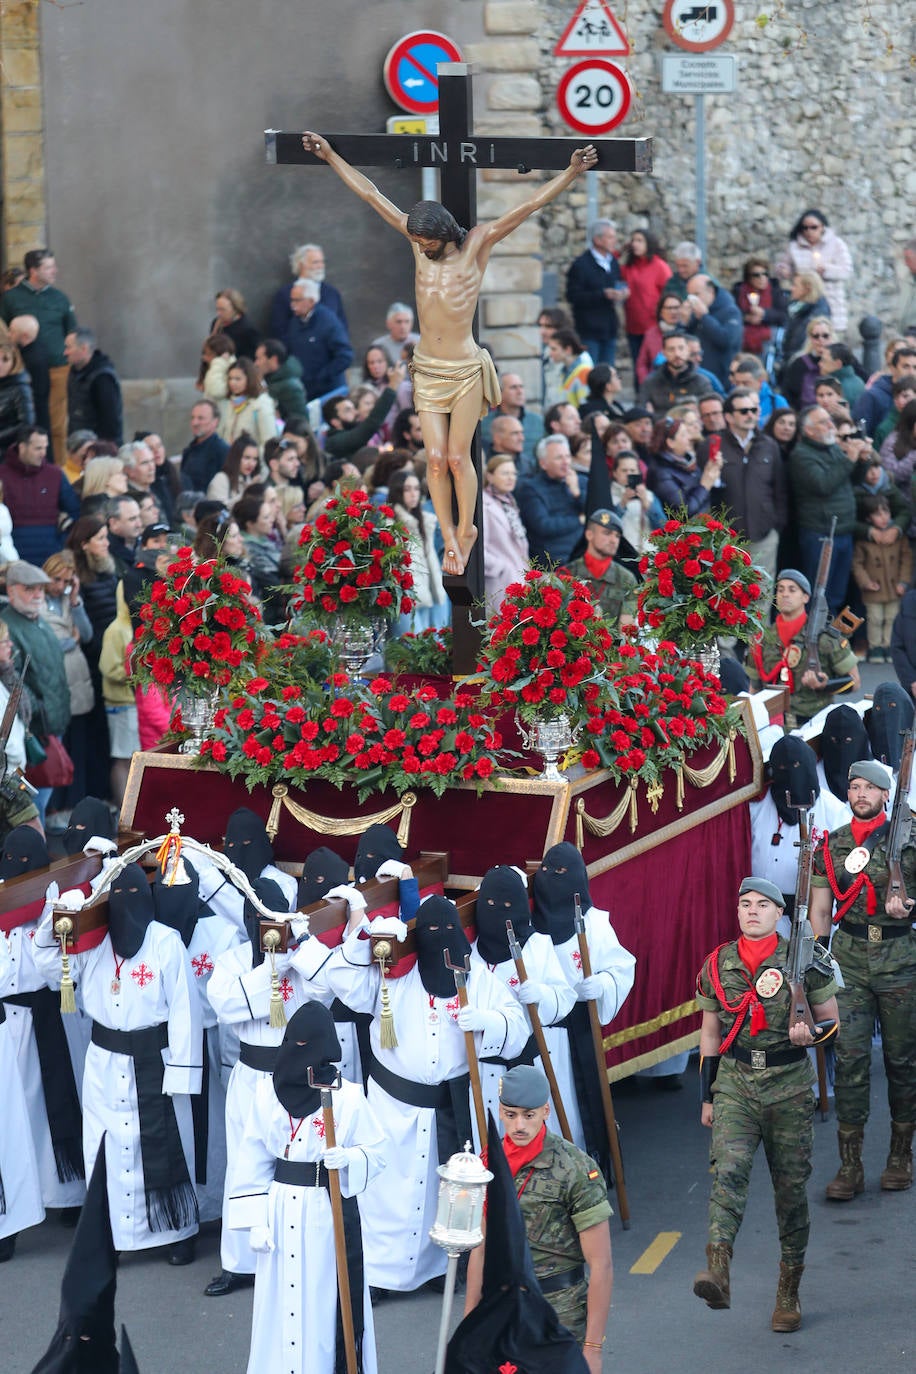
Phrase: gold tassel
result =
(634, 813)
(277, 1010)
(67, 996)
(388, 1038)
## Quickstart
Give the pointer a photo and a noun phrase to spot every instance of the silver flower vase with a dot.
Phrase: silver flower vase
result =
(550, 738)
(355, 642)
(707, 655)
(196, 717)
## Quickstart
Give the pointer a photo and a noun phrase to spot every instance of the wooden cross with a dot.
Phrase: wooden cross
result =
(459, 154)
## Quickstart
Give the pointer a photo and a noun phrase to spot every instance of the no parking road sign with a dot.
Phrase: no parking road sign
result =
(594, 96)
(410, 70)
(698, 27)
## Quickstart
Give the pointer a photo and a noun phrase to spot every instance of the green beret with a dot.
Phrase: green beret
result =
(524, 1086)
(764, 887)
(871, 771)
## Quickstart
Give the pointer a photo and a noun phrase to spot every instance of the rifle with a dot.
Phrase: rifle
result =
(9, 715)
(801, 954)
(898, 833)
(846, 622)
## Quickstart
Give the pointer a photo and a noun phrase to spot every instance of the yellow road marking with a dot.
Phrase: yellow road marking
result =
(659, 1250)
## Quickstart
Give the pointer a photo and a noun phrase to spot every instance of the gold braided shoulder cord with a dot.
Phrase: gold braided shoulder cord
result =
(340, 825)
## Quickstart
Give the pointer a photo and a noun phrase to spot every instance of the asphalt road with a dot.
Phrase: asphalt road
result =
(856, 1294)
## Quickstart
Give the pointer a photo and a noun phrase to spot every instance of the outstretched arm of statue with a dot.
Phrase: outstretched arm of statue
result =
(359, 184)
(582, 160)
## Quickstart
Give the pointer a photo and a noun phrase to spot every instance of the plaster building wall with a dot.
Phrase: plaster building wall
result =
(158, 191)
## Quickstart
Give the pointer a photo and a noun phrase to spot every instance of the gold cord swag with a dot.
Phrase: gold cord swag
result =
(340, 825)
(697, 777)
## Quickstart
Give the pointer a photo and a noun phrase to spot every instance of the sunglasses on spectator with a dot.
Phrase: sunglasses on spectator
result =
(847, 434)
(821, 335)
(745, 410)
(758, 272)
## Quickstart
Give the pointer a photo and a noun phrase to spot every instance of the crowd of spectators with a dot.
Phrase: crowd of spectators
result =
(749, 397)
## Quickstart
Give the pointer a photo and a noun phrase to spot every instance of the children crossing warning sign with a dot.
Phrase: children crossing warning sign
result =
(592, 31)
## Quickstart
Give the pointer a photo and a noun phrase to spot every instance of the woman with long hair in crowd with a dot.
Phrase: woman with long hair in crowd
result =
(801, 375)
(667, 319)
(674, 475)
(816, 248)
(405, 494)
(231, 319)
(17, 404)
(241, 467)
(762, 303)
(505, 542)
(248, 409)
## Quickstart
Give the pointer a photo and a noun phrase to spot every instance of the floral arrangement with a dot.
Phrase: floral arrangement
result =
(699, 582)
(429, 653)
(370, 735)
(666, 707)
(545, 649)
(198, 628)
(355, 562)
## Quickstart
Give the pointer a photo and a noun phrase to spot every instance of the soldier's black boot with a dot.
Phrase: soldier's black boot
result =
(850, 1177)
(712, 1284)
(898, 1175)
(787, 1312)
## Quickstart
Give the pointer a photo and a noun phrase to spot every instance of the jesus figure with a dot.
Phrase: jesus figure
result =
(455, 382)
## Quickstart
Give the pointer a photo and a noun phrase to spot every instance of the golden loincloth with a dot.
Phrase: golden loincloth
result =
(440, 383)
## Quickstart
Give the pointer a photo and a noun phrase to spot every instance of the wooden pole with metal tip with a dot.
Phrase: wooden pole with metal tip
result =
(534, 1017)
(610, 1120)
(340, 1243)
(461, 980)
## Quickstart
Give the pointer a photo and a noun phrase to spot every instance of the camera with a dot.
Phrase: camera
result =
(633, 480)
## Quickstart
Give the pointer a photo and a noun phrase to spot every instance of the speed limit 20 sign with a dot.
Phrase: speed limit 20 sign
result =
(594, 96)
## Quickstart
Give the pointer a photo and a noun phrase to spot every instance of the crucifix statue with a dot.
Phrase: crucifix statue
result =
(455, 380)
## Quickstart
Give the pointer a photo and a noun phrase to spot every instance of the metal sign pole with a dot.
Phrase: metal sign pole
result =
(700, 133)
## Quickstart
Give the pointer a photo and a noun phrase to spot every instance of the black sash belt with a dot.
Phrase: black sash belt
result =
(62, 1103)
(302, 1173)
(200, 1115)
(767, 1059)
(313, 1174)
(171, 1202)
(260, 1057)
(875, 934)
(449, 1100)
(556, 1282)
(527, 1056)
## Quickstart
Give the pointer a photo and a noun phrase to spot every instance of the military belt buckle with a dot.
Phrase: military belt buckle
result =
(758, 1059)
(874, 935)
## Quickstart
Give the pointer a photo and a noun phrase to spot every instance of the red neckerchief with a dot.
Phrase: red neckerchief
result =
(739, 1008)
(862, 829)
(846, 897)
(787, 630)
(597, 566)
(517, 1156)
(753, 952)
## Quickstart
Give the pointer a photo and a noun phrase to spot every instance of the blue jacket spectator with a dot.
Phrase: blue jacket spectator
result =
(205, 454)
(717, 323)
(317, 338)
(550, 503)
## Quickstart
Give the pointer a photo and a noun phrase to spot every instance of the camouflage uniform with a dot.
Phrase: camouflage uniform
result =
(561, 1193)
(774, 1105)
(837, 659)
(880, 977)
(16, 805)
(614, 593)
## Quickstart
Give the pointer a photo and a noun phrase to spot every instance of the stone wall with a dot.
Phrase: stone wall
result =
(822, 118)
(21, 125)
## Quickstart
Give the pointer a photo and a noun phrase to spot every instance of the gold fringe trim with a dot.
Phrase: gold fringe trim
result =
(651, 1057)
(343, 825)
(606, 826)
(665, 1018)
(702, 777)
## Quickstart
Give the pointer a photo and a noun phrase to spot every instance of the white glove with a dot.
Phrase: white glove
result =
(389, 925)
(471, 1019)
(337, 1157)
(351, 895)
(529, 992)
(72, 899)
(260, 1240)
(393, 868)
(299, 925)
(98, 844)
(589, 990)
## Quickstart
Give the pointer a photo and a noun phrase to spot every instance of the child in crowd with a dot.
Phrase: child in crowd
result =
(882, 573)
